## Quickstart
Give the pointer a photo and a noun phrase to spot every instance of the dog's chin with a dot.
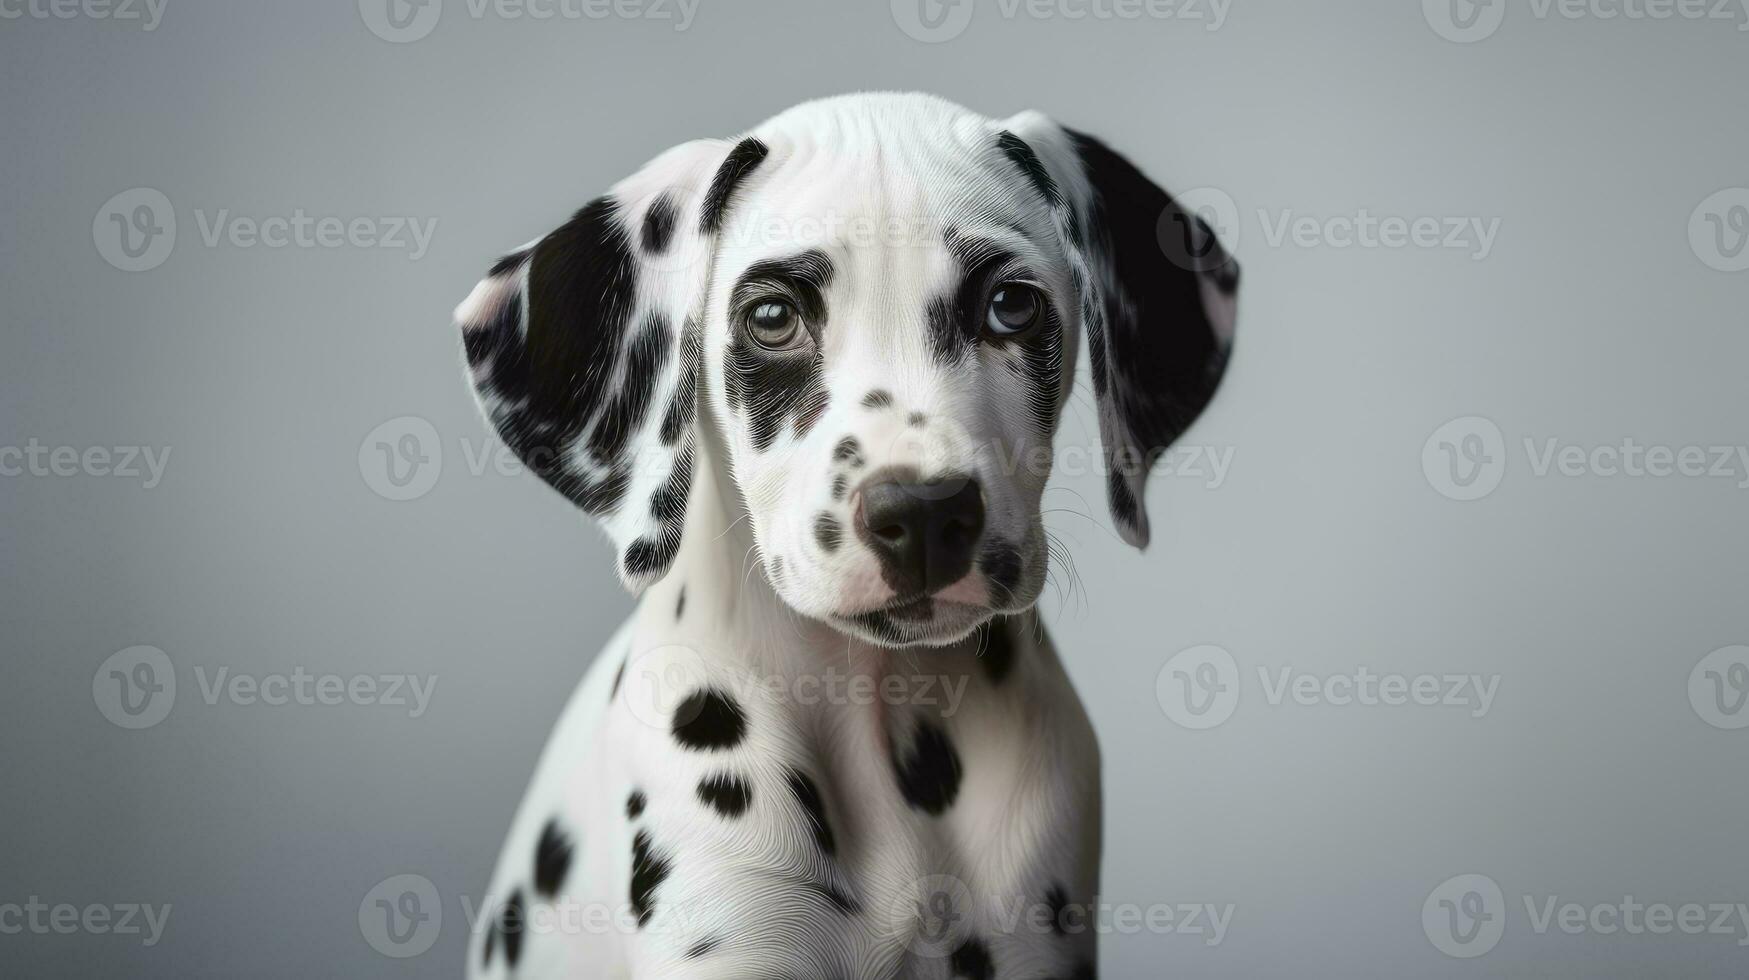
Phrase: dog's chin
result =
(925, 621)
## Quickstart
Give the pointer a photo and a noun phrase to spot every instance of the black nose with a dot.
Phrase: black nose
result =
(924, 533)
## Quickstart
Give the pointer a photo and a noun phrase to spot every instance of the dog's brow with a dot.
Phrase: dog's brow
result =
(972, 249)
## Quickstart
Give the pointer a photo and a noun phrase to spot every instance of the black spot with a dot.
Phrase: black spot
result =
(813, 807)
(916, 420)
(510, 921)
(659, 225)
(635, 805)
(618, 676)
(645, 359)
(703, 947)
(877, 398)
(668, 503)
(848, 451)
(650, 556)
(1019, 151)
(740, 162)
(552, 859)
(649, 870)
(840, 487)
(972, 961)
(1058, 901)
(828, 532)
(685, 400)
(929, 773)
(1000, 564)
(680, 605)
(1123, 502)
(726, 793)
(709, 720)
(997, 648)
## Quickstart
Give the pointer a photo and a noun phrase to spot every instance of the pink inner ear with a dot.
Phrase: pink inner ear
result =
(483, 304)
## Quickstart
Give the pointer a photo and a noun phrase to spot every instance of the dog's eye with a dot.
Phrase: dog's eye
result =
(774, 324)
(1014, 307)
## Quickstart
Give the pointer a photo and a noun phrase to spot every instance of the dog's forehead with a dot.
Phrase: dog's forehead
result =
(849, 175)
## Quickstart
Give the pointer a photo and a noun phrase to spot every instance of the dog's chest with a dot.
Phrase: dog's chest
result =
(854, 813)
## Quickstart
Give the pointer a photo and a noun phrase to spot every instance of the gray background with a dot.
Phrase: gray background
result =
(267, 548)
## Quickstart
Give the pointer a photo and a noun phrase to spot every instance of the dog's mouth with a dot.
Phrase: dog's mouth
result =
(926, 619)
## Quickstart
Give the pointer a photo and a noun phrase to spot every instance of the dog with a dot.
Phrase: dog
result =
(809, 381)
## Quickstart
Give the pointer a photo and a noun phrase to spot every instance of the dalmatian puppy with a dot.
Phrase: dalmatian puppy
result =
(808, 380)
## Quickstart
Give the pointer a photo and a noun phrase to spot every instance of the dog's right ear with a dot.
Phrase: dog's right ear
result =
(584, 347)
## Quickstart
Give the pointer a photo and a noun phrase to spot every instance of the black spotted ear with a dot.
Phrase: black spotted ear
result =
(1158, 298)
(584, 347)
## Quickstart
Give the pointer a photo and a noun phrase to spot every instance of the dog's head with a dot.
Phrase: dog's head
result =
(876, 302)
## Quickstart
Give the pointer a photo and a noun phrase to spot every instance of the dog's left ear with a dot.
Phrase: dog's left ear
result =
(584, 347)
(1158, 298)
